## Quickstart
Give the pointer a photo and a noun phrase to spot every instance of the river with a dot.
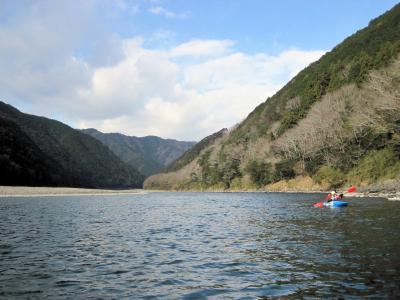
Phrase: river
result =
(198, 246)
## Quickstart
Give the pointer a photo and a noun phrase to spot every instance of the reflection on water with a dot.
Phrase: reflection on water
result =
(198, 245)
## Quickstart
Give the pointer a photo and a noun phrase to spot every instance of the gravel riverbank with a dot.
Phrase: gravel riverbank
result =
(28, 191)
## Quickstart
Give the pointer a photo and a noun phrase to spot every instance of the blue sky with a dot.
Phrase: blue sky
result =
(178, 69)
(269, 26)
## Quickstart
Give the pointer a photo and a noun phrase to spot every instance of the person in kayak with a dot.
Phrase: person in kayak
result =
(331, 196)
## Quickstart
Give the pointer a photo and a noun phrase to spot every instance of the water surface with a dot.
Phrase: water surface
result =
(198, 246)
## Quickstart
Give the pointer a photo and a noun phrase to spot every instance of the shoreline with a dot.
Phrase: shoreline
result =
(389, 196)
(392, 196)
(31, 191)
(28, 191)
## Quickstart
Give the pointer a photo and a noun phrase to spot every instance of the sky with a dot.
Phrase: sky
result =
(180, 69)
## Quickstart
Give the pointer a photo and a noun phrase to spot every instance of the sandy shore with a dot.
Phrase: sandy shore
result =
(28, 191)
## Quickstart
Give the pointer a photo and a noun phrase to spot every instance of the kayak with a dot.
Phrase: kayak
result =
(335, 203)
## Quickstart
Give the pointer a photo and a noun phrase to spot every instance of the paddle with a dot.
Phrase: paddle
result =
(351, 189)
(321, 204)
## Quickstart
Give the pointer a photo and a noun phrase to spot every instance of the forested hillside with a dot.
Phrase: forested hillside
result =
(185, 169)
(149, 154)
(40, 151)
(192, 154)
(336, 122)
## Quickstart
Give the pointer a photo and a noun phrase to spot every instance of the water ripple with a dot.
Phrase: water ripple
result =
(198, 246)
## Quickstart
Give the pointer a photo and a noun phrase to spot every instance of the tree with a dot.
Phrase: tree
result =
(260, 172)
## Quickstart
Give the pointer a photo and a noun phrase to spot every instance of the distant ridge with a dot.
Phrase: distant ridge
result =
(149, 154)
(40, 151)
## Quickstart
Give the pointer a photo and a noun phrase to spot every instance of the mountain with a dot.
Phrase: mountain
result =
(336, 122)
(193, 152)
(177, 173)
(40, 151)
(149, 154)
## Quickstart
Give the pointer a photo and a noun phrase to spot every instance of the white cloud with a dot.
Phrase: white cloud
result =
(198, 48)
(186, 91)
(130, 6)
(157, 96)
(161, 11)
(161, 35)
(38, 64)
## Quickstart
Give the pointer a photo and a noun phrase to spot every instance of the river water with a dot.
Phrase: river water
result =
(198, 246)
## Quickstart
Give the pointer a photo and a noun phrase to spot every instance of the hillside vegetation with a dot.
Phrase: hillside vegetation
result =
(148, 155)
(336, 122)
(192, 154)
(44, 152)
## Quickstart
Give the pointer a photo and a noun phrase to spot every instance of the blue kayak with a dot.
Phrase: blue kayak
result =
(335, 203)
